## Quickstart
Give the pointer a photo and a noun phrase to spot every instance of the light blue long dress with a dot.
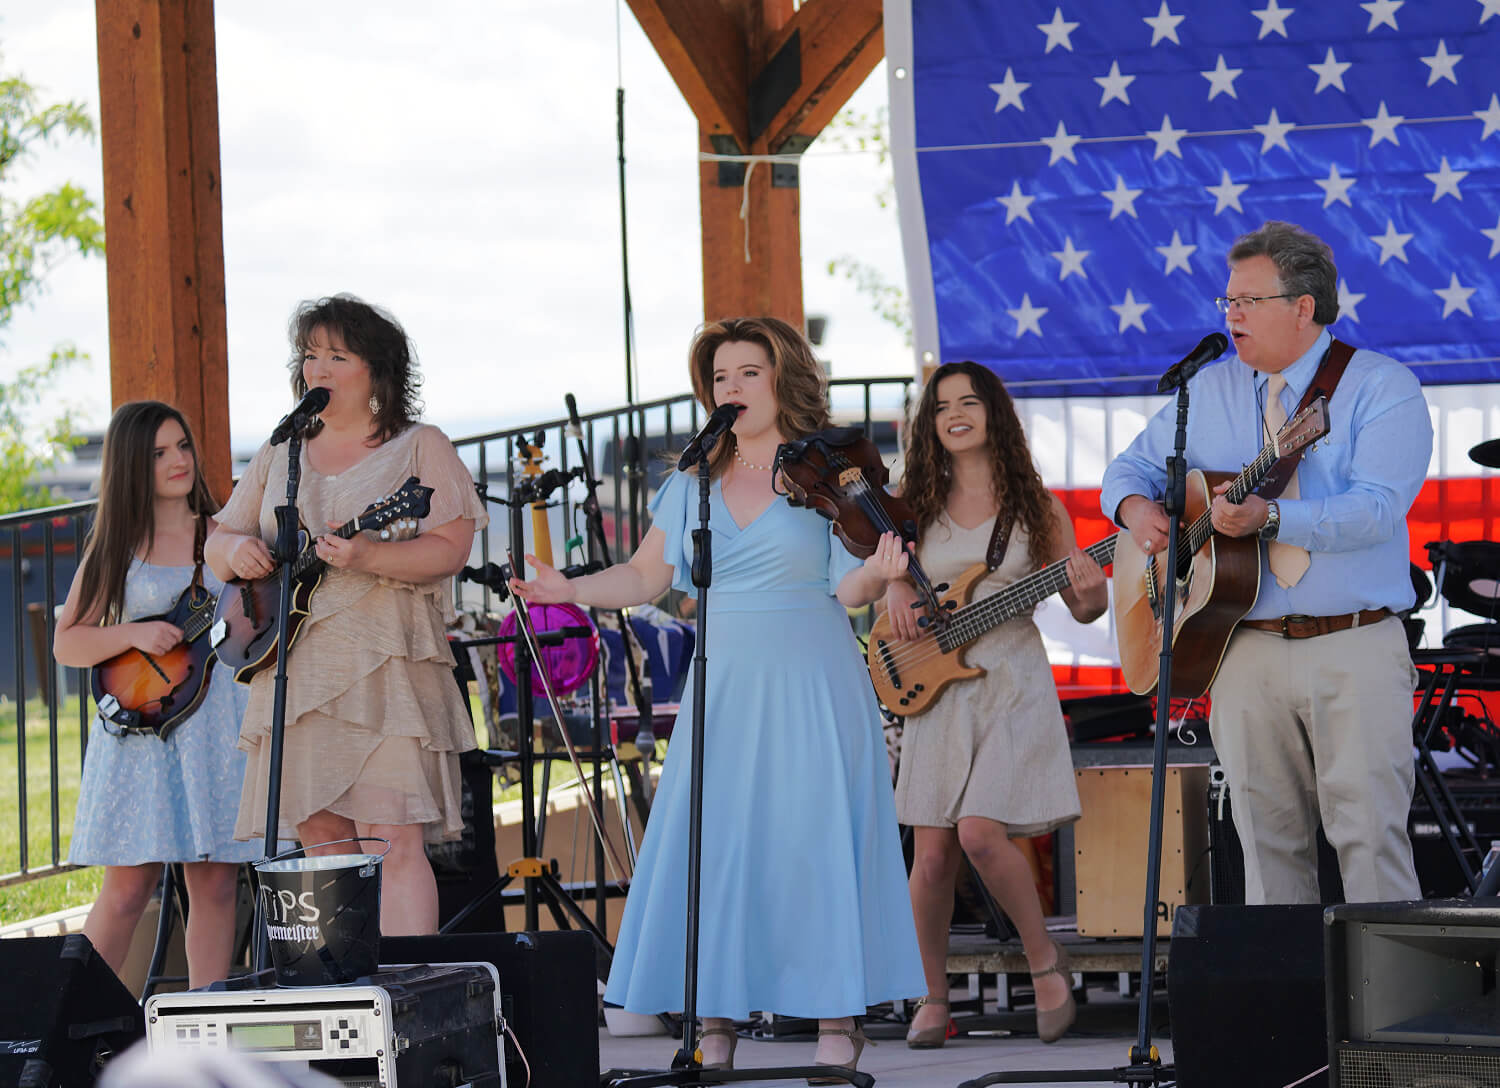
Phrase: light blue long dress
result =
(148, 800)
(804, 909)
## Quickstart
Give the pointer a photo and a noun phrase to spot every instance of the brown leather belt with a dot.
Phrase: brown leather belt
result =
(1311, 626)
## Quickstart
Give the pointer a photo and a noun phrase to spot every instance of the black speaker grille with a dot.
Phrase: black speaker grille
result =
(1417, 1067)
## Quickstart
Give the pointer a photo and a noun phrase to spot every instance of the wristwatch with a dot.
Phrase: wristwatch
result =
(1272, 526)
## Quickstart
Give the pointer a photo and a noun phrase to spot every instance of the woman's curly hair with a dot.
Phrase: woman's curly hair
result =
(1018, 486)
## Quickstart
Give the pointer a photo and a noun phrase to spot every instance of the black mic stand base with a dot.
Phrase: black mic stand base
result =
(696, 1074)
(1144, 1073)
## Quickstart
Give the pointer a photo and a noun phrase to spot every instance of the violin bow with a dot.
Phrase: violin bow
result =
(528, 631)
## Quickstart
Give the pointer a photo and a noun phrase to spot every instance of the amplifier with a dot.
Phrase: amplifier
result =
(402, 1027)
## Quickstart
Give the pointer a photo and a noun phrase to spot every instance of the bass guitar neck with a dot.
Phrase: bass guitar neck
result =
(910, 675)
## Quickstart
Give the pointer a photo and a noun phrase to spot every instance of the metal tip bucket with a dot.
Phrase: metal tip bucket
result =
(322, 913)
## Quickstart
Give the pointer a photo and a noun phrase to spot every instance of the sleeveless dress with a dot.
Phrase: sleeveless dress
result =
(374, 721)
(147, 800)
(995, 746)
(804, 907)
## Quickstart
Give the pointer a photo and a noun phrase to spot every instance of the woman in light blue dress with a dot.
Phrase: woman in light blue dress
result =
(804, 908)
(143, 800)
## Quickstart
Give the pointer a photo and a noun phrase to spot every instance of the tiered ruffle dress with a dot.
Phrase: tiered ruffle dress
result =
(374, 720)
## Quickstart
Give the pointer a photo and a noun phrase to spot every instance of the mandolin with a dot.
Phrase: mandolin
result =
(1218, 576)
(244, 627)
(138, 690)
(910, 675)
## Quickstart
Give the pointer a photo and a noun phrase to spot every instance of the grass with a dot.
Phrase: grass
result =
(41, 895)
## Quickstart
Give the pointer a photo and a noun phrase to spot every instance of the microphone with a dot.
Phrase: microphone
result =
(703, 442)
(1209, 348)
(295, 421)
(575, 425)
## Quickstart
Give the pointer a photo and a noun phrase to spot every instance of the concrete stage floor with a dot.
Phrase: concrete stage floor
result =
(1101, 1039)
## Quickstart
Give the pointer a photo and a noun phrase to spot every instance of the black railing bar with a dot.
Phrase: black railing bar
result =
(49, 603)
(18, 626)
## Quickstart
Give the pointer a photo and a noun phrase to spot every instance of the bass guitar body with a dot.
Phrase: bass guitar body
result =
(1217, 587)
(909, 676)
(245, 621)
(158, 691)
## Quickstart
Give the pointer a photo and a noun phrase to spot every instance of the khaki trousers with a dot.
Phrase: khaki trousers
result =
(1319, 728)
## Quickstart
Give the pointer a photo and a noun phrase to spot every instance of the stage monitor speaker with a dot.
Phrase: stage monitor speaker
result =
(63, 1013)
(1246, 997)
(1412, 999)
(548, 994)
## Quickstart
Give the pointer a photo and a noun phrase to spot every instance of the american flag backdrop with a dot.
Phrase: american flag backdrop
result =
(1071, 174)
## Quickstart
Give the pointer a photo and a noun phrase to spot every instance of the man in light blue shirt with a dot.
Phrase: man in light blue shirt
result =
(1311, 706)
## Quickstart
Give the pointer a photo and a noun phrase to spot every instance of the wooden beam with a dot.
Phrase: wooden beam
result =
(164, 216)
(770, 281)
(704, 48)
(840, 42)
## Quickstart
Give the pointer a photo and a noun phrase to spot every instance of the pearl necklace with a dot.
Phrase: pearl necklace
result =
(748, 464)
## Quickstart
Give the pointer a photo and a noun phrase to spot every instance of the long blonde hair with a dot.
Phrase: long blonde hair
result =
(797, 377)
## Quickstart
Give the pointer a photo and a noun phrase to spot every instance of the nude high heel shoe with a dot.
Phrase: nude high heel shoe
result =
(933, 1037)
(1052, 1024)
(726, 1033)
(855, 1036)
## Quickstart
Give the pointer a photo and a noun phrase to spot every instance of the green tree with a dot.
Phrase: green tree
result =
(36, 232)
(851, 130)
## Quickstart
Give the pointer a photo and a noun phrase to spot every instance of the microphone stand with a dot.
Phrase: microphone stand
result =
(286, 548)
(1145, 1063)
(687, 1064)
(598, 549)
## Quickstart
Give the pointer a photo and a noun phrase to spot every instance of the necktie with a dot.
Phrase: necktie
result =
(1288, 562)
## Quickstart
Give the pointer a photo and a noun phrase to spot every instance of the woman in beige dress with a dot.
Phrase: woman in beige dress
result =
(374, 721)
(989, 760)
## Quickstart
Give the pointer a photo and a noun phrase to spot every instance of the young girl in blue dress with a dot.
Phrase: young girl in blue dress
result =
(144, 801)
(804, 908)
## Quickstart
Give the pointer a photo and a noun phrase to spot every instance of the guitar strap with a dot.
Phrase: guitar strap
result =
(1325, 381)
(999, 541)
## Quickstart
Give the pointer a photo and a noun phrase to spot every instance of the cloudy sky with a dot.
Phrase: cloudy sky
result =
(456, 163)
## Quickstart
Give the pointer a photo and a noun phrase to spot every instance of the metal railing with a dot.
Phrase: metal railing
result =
(39, 553)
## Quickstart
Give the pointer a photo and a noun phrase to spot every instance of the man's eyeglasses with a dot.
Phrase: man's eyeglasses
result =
(1245, 302)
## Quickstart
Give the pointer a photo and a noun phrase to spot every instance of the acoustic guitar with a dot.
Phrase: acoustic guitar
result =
(910, 675)
(1218, 576)
(158, 691)
(244, 628)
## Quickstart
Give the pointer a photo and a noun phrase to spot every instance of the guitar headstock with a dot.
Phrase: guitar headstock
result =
(410, 502)
(1303, 429)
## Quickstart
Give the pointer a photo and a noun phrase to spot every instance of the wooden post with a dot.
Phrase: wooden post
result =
(762, 80)
(164, 216)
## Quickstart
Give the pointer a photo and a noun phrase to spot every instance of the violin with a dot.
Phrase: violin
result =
(838, 472)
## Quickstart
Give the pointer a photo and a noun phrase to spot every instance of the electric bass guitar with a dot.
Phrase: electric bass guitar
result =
(910, 675)
(1218, 576)
(138, 690)
(244, 628)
